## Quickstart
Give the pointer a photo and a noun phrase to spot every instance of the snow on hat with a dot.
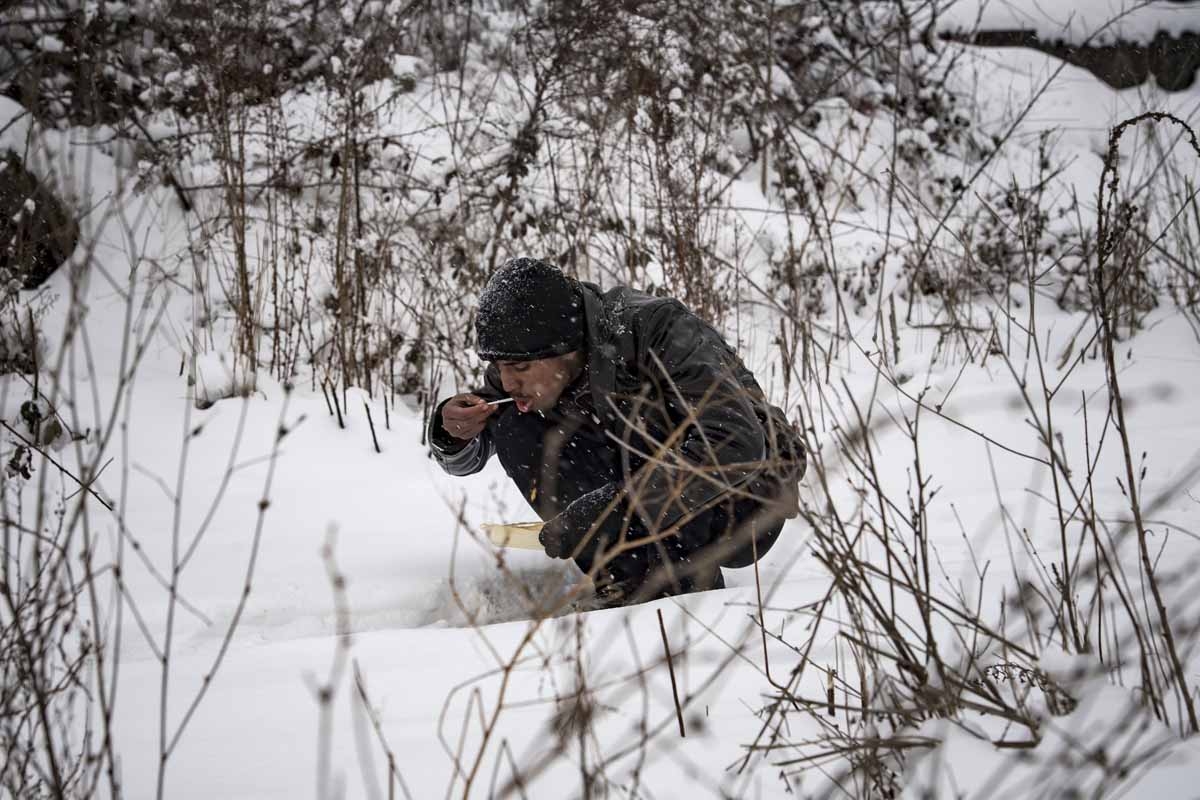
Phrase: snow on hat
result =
(528, 310)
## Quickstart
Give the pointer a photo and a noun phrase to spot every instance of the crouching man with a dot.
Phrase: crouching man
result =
(634, 431)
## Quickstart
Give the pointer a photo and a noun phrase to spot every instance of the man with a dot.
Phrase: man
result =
(635, 432)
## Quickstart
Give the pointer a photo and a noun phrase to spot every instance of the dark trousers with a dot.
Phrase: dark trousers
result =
(554, 461)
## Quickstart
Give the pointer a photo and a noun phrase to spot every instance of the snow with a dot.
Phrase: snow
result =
(436, 611)
(50, 44)
(1095, 22)
(1081, 754)
(219, 375)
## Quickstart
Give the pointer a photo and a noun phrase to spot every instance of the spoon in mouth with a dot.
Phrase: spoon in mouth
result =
(501, 401)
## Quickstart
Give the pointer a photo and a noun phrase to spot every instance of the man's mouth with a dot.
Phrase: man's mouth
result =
(523, 404)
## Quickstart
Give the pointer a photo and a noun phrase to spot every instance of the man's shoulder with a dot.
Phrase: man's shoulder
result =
(633, 305)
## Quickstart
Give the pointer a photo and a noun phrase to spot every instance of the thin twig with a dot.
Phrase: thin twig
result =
(671, 668)
(371, 422)
(50, 458)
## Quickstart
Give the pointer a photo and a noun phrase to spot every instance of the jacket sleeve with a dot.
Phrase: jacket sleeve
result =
(714, 439)
(454, 455)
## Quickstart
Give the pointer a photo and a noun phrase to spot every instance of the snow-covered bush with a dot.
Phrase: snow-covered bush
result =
(37, 235)
(45, 652)
(603, 137)
(108, 62)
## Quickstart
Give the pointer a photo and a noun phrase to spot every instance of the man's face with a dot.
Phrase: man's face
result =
(537, 385)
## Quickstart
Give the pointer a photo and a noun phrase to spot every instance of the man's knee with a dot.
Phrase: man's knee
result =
(754, 529)
(518, 446)
(518, 440)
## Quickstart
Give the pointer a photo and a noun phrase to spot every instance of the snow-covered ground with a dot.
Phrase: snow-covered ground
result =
(417, 574)
(1094, 22)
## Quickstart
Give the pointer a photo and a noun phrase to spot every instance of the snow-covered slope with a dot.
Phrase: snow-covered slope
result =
(1094, 22)
(461, 703)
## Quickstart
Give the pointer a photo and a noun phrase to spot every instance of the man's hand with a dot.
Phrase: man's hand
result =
(465, 415)
(600, 509)
(555, 540)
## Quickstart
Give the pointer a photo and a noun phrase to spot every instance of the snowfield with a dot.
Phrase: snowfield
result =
(1095, 22)
(352, 607)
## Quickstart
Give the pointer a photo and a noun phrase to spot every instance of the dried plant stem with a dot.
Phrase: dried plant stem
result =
(671, 669)
(371, 423)
(85, 486)
(1109, 335)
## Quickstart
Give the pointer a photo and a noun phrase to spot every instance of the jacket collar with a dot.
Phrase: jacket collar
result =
(603, 351)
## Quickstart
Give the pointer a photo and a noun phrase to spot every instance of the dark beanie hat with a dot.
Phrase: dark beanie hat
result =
(528, 310)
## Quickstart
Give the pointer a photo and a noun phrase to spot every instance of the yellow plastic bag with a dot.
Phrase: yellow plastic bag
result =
(521, 535)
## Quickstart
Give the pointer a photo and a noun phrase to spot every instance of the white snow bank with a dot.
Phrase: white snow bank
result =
(220, 375)
(1108, 740)
(1091, 21)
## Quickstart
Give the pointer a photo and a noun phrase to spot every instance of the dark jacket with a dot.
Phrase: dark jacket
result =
(691, 420)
